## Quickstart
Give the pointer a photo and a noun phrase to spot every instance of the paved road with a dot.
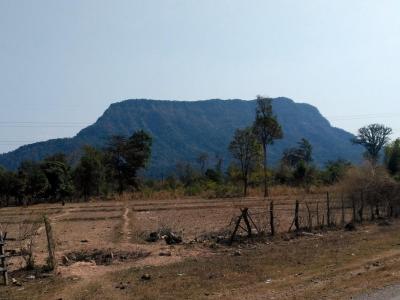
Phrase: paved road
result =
(387, 293)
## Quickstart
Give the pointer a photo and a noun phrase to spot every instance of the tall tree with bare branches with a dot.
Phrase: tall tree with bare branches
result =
(373, 138)
(246, 150)
(267, 129)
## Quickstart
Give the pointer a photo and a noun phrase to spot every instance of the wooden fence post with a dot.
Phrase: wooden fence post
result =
(353, 201)
(343, 217)
(328, 209)
(246, 221)
(271, 217)
(361, 210)
(52, 261)
(3, 263)
(309, 217)
(296, 216)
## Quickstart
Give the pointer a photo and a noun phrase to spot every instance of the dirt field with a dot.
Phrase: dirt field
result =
(327, 264)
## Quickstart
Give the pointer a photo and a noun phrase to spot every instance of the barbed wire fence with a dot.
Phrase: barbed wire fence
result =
(312, 212)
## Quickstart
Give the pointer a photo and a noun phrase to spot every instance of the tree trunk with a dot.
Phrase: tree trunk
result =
(266, 191)
(245, 186)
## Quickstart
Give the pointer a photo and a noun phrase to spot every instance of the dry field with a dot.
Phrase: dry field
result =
(328, 264)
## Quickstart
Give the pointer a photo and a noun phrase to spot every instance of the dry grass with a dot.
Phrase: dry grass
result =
(336, 265)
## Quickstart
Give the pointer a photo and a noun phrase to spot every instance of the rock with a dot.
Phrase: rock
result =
(376, 264)
(84, 241)
(16, 282)
(153, 237)
(146, 277)
(165, 253)
(121, 286)
(31, 277)
(350, 226)
(237, 253)
(172, 238)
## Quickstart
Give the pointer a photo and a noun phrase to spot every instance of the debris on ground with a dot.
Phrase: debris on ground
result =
(102, 257)
(172, 238)
(122, 286)
(146, 277)
(350, 226)
(153, 237)
(169, 236)
(15, 282)
(165, 253)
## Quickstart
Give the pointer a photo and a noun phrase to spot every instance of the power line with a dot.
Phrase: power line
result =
(363, 116)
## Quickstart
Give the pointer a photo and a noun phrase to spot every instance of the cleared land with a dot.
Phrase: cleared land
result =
(333, 264)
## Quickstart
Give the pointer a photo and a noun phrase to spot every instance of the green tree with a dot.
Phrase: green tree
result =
(125, 157)
(373, 138)
(299, 161)
(116, 164)
(58, 174)
(10, 186)
(303, 152)
(246, 150)
(35, 183)
(266, 129)
(392, 157)
(138, 153)
(335, 170)
(89, 175)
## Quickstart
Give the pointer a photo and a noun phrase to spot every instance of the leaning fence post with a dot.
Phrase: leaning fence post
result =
(51, 262)
(328, 210)
(296, 216)
(246, 221)
(271, 217)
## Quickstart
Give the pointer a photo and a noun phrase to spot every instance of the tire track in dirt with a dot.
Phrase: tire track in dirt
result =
(126, 233)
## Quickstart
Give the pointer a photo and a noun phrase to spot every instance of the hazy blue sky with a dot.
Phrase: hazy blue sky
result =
(62, 63)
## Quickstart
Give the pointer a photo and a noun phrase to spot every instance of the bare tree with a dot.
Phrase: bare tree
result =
(246, 151)
(373, 138)
(27, 233)
(266, 129)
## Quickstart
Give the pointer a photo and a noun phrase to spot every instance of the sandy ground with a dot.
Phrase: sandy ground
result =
(387, 293)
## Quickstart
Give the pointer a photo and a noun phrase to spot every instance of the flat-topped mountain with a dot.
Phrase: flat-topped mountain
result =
(182, 130)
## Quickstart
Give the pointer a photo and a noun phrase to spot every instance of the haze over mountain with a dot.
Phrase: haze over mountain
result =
(183, 129)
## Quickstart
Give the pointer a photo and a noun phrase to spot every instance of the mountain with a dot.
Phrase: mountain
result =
(182, 130)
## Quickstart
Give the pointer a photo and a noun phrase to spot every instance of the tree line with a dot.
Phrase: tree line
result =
(250, 146)
(98, 172)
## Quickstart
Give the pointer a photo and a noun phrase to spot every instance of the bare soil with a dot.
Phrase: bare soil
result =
(330, 264)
